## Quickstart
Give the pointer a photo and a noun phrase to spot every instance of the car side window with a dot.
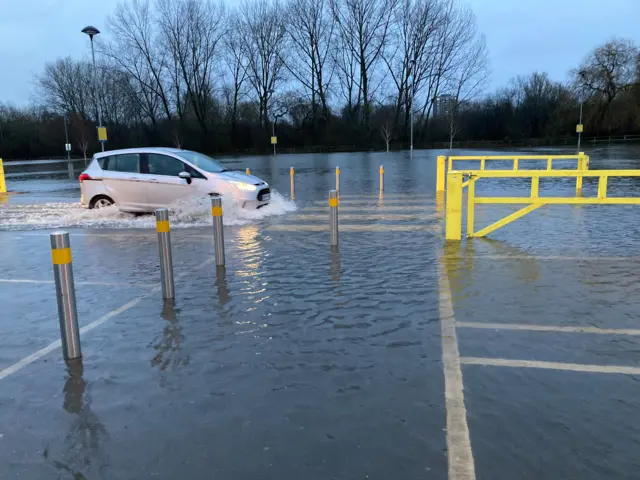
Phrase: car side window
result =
(159, 164)
(126, 162)
(104, 163)
(194, 173)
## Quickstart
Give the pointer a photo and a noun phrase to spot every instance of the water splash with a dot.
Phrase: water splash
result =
(194, 212)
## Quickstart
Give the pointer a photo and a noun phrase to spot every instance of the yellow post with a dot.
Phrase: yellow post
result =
(602, 187)
(579, 179)
(338, 180)
(3, 184)
(515, 163)
(453, 216)
(483, 161)
(440, 204)
(247, 171)
(471, 204)
(440, 173)
(550, 163)
(535, 184)
(292, 173)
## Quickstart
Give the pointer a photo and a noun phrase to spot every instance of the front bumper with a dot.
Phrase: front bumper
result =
(260, 196)
(254, 204)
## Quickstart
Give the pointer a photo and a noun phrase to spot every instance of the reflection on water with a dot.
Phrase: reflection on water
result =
(168, 345)
(84, 453)
(222, 285)
(334, 269)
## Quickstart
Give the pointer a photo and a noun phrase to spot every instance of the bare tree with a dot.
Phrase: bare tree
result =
(606, 72)
(311, 30)
(135, 49)
(465, 79)
(455, 32)
(386, 130)
(82, 132)
(364, 27)
(191, 31)
(411, 55)
(236, 60)
(65, 86)
(263, 31)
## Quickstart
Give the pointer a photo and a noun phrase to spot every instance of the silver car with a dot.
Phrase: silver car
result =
(143, 179)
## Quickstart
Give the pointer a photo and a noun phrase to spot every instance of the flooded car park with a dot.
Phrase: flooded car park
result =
(302, 361)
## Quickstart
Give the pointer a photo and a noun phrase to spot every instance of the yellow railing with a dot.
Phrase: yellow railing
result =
(455, 182)
(582, 163)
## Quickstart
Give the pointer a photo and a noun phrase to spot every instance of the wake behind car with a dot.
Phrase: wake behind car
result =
(143, 179)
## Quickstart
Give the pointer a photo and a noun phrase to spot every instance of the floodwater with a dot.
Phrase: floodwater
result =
(299, 361)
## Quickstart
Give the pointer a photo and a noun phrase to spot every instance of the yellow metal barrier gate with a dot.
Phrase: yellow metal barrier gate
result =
(453, 230)
(446, 164)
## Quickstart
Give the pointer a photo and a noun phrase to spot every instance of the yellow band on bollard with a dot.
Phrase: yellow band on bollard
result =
(381, 169)
(291, 171)
(333, 202)
(216, 211)
(162, 226)
(61, 256)
(247, 171)
(337, 170)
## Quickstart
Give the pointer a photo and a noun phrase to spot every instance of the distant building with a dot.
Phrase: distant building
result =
(444, 105)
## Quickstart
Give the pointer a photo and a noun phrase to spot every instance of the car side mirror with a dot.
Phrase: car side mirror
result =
(185, 176)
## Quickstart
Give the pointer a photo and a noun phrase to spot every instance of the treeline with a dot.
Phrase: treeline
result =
(353, 73)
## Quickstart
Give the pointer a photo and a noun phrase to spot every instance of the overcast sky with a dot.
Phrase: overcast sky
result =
(523, 36)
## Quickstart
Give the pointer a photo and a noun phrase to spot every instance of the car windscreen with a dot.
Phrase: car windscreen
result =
(207, 164)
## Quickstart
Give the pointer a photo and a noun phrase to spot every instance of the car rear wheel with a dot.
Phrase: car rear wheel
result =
(101, 201)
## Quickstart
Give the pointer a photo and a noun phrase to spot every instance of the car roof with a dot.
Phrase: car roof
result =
(138, 150)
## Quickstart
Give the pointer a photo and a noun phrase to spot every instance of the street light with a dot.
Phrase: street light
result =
(92, 32)
(276, 115)
(67, 146)
(580, 127)
(413, 64)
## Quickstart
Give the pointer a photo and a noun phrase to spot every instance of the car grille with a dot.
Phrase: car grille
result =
(263, 192)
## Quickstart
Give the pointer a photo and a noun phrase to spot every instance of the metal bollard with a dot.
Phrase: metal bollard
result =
(164, 247)
(66, 295)
(338, 180)
(381, 179)
(218, 231)
(333, 217)
(247, 171)
(292, 173)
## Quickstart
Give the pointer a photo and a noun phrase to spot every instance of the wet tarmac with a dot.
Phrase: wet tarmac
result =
(297, 361)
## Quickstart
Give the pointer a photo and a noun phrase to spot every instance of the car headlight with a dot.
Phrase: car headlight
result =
(244, 186)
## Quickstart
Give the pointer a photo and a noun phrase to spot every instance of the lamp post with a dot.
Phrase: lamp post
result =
(92, 32)
(580, 127)
(67, 146)
(413, 64)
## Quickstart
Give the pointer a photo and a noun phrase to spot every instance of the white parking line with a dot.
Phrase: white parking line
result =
(572, 367)
(584, 258)
(373, 208)
(87, 328)
(377, 227)
(548, 328)
(102, 284)
(460, 455)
